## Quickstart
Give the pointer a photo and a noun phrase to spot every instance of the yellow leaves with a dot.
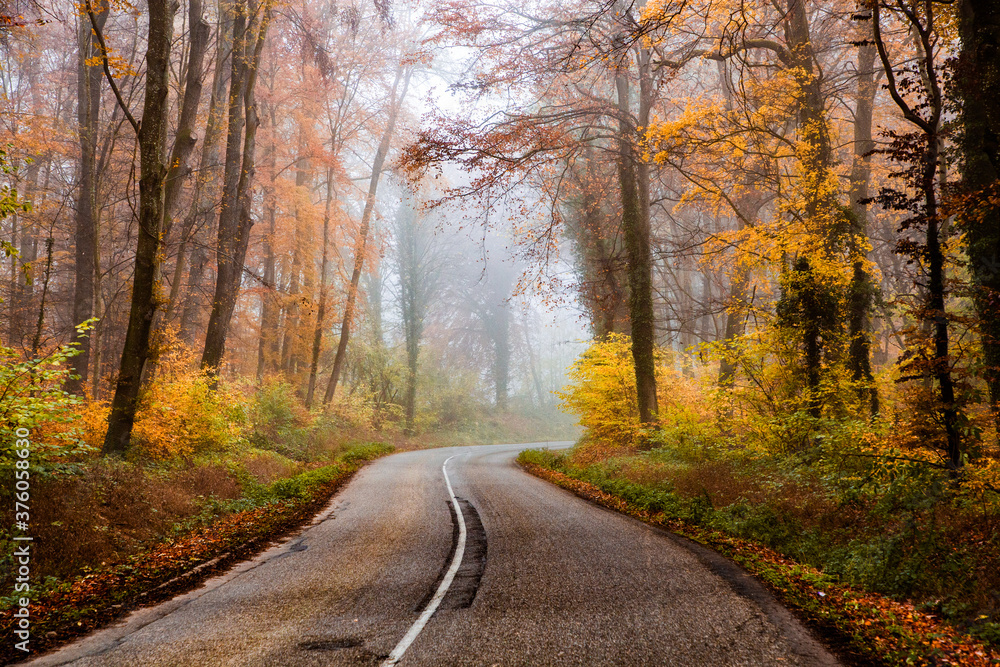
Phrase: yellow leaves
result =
(119, 66)
(181, 416)
(602, 390)
(984, 476)
(603, 393)
(698, 124)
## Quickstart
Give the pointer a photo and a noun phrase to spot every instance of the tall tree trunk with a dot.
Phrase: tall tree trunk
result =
(195, 302)
(88, 117)
(99, 334)
(185, 140)
(291, 346)
(267, 341)
(413, 326)
(417, 281)
(979, 86)
(152, 135)
(360, 247)
(178, 171)
(928, 124)
(204, 183)
(936, 289)
(234, 218)
(736, 309)
(636, 232)
(685, 317)
(22, 266)
(533, 365)
(317, 342)
(36, 342)
(267, 344)
(862, 289)
(501, 356)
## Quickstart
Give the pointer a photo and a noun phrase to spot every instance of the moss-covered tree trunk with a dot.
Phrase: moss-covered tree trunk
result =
(979, 84)
(635, 232)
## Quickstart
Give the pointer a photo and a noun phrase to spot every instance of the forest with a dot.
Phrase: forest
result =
(745, 254)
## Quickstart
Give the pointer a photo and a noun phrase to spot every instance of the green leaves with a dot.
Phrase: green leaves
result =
(31, 397)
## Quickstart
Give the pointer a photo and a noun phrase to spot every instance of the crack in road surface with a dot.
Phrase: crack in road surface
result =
(470, 573)
(449, 576)
(463, 590)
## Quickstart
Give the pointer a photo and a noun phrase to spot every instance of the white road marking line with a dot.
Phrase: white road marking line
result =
(449, 577)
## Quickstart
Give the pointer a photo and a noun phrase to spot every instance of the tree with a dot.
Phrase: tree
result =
(978, 86)
(317, 342)
(862, 289)
(88, 110)
(195, 227)
(152, 136)
(235, 221)
(777, 133)
(592, 213)
(918, 153)
(419, 263)
(399, 87)
(633, 180)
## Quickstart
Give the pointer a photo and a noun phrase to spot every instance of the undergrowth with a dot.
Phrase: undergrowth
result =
(252, 495)
(912, 541)
(869, 501)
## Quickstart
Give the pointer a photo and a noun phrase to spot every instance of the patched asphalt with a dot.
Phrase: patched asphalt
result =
(547, 579)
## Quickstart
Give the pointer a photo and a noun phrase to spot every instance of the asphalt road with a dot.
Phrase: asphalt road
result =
(545, 579)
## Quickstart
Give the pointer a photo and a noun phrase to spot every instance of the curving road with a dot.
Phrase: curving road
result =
(525, 574)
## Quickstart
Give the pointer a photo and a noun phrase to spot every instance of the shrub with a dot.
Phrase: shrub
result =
(278, 422)
(181, 416)
(31, 397)
(542, 457)
(602, 393)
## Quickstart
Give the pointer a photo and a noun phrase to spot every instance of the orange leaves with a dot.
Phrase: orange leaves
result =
(119, 65)
(181, 415)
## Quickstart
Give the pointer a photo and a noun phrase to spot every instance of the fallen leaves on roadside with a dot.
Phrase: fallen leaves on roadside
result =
(168, 568)
(878, 627)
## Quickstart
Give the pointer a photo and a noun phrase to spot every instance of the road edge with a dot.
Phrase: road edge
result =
(742, 580)
(103, 606)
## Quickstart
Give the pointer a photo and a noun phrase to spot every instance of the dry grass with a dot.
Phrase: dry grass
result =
(266, 468)
(112, 510)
